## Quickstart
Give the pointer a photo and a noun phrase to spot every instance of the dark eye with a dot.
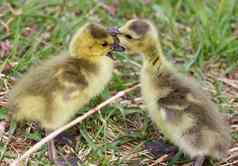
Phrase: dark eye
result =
(105, 44)
(128, 36)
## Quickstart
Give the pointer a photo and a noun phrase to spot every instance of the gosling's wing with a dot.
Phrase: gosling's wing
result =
(76, 75)
(176, 96)
(38, 80)
(76, 71)
(194, 115)
(187, 97)
(68, 76)
(174, 104)
(49, 76)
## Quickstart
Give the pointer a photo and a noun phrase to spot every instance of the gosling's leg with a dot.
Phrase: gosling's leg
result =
(199, 161)
(52, 155)
(52, 152)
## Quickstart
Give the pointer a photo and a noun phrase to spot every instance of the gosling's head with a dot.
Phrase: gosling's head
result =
(138, 36)
(91, 42)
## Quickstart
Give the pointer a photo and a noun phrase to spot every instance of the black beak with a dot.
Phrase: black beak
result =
(115, 46)
(113, 31)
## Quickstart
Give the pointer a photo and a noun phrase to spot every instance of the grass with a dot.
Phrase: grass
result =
(198, 34)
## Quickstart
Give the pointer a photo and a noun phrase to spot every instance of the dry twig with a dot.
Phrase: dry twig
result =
(72, 123)
(232, 83)
(160, 160)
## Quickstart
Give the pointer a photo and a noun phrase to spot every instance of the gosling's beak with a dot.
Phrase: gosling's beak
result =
(115, 46)
(113, 31)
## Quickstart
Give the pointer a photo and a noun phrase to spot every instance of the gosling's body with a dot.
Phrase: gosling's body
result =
(54, 91)
(176, 103)
(184, 113)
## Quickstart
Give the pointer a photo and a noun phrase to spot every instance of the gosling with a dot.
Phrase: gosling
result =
(52, 92)
(176, 103)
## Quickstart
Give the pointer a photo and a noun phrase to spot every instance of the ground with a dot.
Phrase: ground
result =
(200, 37)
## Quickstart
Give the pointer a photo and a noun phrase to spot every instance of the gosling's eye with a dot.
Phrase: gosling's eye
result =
(128, 36)
(105, 44)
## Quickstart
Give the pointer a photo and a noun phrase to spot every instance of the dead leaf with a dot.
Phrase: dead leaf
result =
(234, 119)
(111, 9)
(5, 48)
(234, 74)
(230, 82)
(3, 125)
(7, 68)
(29, 30)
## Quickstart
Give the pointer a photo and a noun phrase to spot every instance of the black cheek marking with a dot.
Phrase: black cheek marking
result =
(139, 27)
(154, 62)
(97, 31)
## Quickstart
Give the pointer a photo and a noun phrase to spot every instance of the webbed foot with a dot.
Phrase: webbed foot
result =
(158, 148)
